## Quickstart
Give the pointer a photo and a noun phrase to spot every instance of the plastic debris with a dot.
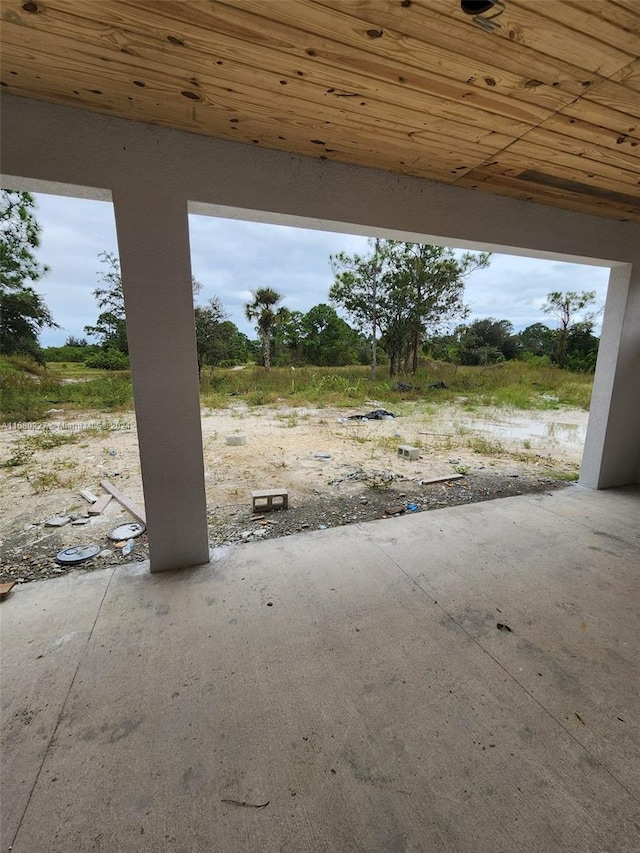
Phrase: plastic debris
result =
(128, 547)
(126, 531)
(375, 415)
(77, 554)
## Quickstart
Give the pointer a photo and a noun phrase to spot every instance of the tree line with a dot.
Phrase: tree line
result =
(404, 301)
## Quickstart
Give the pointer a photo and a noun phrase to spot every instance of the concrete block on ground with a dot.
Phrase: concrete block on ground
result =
(236, 440)
(408, 452)
(265, 500)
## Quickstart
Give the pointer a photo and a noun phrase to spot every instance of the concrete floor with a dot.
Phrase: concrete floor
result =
(352, 678)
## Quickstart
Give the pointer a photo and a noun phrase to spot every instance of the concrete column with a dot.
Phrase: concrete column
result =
(153, 241)
(612, 446)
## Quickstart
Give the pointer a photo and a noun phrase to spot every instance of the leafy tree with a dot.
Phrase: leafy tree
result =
(567, 308)
(402, 290)
(443, 347)
(288, 338)
(76, 342)
(207, 320)
(110, 328)
(329, 340)
(262, 310)
(487, 341)
(356, 288)
(233, 347)
(537, 339)
(582, 348)
(218, 340)
(425, 290)
(23, 313)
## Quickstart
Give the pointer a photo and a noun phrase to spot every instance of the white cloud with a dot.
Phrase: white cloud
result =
(232, 258)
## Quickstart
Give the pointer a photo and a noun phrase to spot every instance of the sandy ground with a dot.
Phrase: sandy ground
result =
(314, 453)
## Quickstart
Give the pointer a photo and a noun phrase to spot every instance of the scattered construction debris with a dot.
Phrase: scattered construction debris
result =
(57, 521)
(100, 505)
(77, 554)
(375, 415)
(406, 451)
(5, 588)
(126, 531)
(88, 496)
(394, 510)
(444, 479)
(266, 500)
(124, 501)
(236, 440)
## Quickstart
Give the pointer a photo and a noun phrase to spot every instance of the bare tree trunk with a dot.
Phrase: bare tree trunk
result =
(374, 356)
(416, 347)
(374, 313)
(266, 350)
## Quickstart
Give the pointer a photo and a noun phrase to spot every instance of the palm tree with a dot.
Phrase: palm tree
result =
(261, 309)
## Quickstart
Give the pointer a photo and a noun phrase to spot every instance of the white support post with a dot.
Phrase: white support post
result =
(153, 241)
(612, 446)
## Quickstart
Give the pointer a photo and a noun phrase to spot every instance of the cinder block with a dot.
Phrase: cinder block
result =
(408, 452)
(267, 499)
(236, 439)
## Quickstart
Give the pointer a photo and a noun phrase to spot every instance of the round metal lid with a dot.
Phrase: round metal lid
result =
(77, 554)
(127, 531)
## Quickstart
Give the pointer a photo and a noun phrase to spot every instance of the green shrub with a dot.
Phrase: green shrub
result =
(108, 359)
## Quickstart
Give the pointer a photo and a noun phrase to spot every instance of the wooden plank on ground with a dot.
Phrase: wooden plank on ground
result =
(88, 496)
(5, 588)
(124, 501)
(441, 479)
(99, 505)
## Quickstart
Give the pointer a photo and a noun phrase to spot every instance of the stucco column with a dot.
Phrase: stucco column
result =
(153, 241)
(612, 446)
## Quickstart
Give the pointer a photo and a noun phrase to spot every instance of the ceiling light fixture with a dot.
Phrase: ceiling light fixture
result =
(478, 8)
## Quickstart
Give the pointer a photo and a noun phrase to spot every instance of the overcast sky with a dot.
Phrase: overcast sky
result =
(231, 258)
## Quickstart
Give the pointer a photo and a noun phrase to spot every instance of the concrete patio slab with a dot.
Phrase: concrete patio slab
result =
(353, 679)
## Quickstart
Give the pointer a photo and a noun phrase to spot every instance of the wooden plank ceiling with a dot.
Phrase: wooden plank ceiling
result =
(547, 108)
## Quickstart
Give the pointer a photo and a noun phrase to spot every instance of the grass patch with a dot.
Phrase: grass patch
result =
(25, 447)
(29, 391)
(482, 445)
(512, 384)
(28, 395)
(563, 474)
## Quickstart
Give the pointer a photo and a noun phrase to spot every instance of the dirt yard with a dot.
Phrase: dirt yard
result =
(336, 471)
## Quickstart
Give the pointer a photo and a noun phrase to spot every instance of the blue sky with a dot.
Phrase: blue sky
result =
(231, 258)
